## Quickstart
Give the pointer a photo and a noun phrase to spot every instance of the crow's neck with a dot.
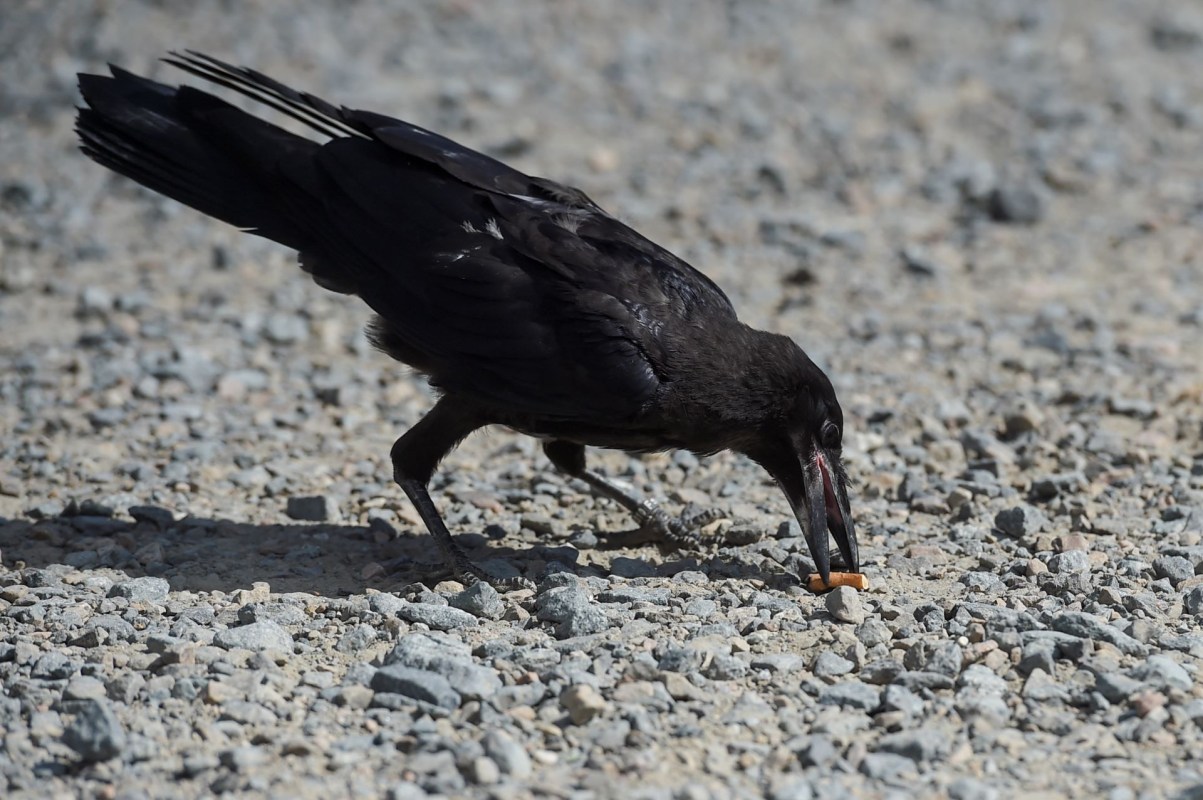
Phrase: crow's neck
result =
(739, 385)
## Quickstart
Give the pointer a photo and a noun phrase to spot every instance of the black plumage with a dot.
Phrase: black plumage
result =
(523, 303)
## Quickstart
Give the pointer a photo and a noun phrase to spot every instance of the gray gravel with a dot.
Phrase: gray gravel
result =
(983, 218)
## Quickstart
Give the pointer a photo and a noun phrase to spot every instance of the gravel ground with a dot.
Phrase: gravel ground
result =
(983, 218)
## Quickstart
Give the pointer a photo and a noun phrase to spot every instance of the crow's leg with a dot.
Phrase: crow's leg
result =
(415, 456)
(653, 520)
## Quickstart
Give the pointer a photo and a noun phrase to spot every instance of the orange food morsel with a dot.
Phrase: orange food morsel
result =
(854, 579)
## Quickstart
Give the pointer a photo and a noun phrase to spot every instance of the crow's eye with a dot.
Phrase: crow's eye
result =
(830, 435)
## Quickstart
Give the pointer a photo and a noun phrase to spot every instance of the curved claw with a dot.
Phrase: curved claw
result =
(681, 532)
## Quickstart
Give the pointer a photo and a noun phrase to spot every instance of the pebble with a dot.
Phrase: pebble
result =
(449, 659)
(1087, 626)
(1164, 673)
(1070, 561)
(84, 687)
(1175, 568)
(851, 695)
(142, 590)
(479, 600)
(510, 756)
(583, 703)
(95, 734)
(844, 604)
(419, 684)
(920, 746)
(1020, 521)
(161, 518)
(258, 636)
(1193, 601)
(830, 665)
(316, 508)
(440, 618)
(573, 610)
(1017, 204)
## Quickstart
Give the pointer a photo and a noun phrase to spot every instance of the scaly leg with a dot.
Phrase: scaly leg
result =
(654, 522)
(415, 456)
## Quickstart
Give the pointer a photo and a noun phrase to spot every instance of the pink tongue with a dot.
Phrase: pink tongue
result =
(833, 506)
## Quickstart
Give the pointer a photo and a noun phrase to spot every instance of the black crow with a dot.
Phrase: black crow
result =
(522, 301)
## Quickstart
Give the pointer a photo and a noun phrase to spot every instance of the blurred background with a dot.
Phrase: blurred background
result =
(963, 210)
(984, 219)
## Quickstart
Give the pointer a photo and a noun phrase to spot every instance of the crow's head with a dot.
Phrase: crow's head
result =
(801, 450)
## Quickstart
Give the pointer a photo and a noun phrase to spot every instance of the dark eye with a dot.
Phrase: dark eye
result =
(830, 435)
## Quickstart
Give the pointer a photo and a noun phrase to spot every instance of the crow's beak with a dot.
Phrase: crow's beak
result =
(827, 504)
(814, 484)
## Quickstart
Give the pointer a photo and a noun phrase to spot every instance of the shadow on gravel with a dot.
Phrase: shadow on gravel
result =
(200, 554)
(211, 554)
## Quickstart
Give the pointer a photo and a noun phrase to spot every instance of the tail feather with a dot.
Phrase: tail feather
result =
(194, 148)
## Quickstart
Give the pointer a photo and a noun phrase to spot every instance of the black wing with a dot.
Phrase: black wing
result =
(514, 290)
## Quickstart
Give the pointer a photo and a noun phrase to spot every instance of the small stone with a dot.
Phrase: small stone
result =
(315, 508)
(920, 746)
(418, 684)
(572, 608)
(1116, 687)
(258, 636)
(1175, 33)
(873, 632)
(357, 639)
(781, 663)
(283, 328)
(386, 604)
(817, 750)
(510, 756)
(971, 789)
(480, 600)
(583, 540)
(95, 733)
(844, 604)
(483, 771)
(887, 766)
(355, 697)
(142, 590)
(244, 758)
(636, 594)
(84, 687)
(161, 518)
(1175, 568)
(1193, 601)
(830, 665)
(440, 618)
(582, 702)
(851, 695)
(900, 698)
(1019, 521)
(789, 787)
(245, 712)
(724, 667)
(1146, 703)
(1042, 687)
(450, 660)
(1037, 654)
(1071, 541)
(1015, 204)
(1163, 672)
(53, 665)
(1088, 626)
(986, 582)
(406, 790)
(1070, 561)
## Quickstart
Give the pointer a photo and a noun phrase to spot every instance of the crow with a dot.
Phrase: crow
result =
(522, 302)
